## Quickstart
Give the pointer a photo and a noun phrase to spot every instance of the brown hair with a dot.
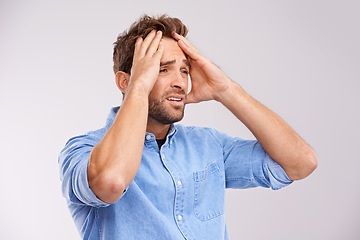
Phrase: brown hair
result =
(125, 44)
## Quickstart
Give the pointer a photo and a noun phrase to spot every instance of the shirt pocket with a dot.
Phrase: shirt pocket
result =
(209, 193)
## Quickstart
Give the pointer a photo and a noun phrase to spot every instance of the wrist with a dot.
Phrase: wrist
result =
(227, 92)
(137, 91)
(138, 87)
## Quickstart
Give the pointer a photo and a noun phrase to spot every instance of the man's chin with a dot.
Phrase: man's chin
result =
(172, 119)
(180, 113)
(167, 118)
(166, 113)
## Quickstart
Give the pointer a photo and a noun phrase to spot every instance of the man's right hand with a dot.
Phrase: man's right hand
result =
(146, 62)
(115, 160)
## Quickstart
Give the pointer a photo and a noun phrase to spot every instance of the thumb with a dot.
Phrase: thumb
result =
(190, 98)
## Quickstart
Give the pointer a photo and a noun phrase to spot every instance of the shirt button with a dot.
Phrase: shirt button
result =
(148, 137)
(179, 217)
(179, 183)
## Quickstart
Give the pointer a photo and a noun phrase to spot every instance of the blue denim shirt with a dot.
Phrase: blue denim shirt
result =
(179, 190)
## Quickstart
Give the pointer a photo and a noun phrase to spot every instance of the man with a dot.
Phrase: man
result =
(141, 176)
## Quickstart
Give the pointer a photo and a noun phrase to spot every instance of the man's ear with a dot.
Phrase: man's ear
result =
(122, 80)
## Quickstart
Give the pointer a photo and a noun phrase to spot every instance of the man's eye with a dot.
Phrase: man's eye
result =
(163, 70)
(185, 72)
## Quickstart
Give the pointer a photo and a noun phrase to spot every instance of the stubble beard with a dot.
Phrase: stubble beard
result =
(159, 111)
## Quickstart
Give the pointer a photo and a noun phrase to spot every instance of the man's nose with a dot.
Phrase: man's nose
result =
(179, 81)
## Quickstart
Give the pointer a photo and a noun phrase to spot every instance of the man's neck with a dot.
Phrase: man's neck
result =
(158, 129)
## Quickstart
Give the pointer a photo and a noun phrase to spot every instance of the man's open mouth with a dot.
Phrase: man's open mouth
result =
(174, 99)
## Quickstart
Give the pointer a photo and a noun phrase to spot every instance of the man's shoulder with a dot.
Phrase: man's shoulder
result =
(89, 138)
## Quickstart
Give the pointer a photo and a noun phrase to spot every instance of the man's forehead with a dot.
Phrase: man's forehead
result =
(172, 51)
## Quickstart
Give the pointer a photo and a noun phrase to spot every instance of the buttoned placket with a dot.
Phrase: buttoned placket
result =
(178, 206)
(177, 181)
(179, 189)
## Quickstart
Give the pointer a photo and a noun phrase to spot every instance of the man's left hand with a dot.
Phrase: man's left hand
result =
(208, 81)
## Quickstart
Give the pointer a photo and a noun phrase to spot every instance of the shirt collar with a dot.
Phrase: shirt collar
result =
(172, 130)
(111, 116)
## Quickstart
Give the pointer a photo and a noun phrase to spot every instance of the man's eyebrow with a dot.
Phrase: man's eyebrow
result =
(174, 61)
(167, 63)
(187, 63)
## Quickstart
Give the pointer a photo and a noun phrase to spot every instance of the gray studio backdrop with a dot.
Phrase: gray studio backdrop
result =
(299, 58)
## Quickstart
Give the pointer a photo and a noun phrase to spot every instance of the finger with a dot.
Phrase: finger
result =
(138, 42)
(187, 47)
(145, 44)
(195, 55)
(158, 54)
(154, 44)
(184, 40)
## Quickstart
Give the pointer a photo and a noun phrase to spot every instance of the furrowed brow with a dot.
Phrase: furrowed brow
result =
(167, 63)
(185, 61)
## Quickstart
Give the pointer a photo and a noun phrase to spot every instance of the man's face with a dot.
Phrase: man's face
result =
(167, 98)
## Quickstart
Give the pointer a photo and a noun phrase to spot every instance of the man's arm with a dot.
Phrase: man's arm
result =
(278, 139)
(115, 160)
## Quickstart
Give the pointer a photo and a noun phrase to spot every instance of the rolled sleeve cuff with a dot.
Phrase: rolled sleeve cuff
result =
(277, 175)
(81, 187)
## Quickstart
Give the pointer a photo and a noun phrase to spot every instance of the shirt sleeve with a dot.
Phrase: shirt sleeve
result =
(247, 165)
(73, 162)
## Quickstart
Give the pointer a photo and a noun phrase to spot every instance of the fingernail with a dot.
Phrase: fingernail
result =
(159, 32)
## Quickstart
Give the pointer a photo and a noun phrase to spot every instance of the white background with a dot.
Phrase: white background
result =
(299, 58)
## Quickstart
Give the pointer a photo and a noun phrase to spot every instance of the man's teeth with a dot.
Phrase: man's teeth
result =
(174, 99)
